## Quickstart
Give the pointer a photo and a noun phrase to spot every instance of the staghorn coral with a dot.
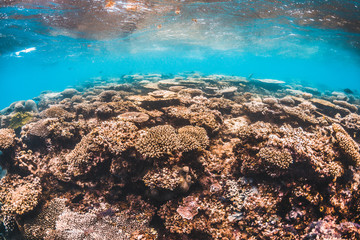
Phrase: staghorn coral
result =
(346, 143)
(19, 195)
(158, 142)
(193, 138)
(7, 138)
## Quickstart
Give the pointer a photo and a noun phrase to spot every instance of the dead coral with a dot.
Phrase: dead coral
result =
(169, 179)
(211, 219)
(43, 223)
(7, 138)
(19, 195)
(158, 142)
(300, 114)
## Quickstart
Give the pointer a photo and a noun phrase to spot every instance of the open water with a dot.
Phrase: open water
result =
(50, 45)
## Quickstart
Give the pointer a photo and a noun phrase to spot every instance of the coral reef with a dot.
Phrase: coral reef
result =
(181, 157)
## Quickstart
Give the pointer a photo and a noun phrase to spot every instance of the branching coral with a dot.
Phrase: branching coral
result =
(158, 142)
(274, 160)
(19, 195)
(193, 138)
(346, 143)
(7, 138)
(169, 179)
(111, 137)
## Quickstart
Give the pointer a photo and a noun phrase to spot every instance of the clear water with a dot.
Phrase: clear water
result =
(49, 45)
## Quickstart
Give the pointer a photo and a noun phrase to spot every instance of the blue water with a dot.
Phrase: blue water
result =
(50, 46)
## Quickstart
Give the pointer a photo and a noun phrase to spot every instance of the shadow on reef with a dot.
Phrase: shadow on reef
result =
(182, 157)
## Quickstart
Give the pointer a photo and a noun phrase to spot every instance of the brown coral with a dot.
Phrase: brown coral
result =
(112, 137)
(7, 138)
(19, 195)
(158, 142)
(346, 143)
(169, 179)
(193, 138)
(275, 159)
(44, 222)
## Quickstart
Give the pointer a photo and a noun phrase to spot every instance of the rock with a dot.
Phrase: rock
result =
(270, 84)
(68, 93)
(19, 106)
(30, 106)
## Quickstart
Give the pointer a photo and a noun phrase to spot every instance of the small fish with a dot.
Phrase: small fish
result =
(348, 91)
(250, 76)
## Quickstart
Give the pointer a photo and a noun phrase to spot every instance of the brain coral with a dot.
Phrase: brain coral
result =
(193, 138)
(19, 195)
(7, 138)
(158, 142)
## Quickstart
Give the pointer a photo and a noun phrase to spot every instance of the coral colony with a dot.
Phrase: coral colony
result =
(181, 157)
